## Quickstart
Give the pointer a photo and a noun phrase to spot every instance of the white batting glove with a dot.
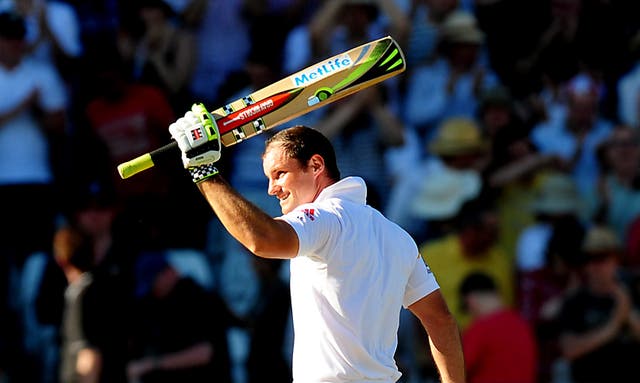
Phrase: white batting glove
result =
(197, 136)
(199, 140)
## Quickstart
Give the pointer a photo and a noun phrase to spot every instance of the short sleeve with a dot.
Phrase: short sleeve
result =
(315, 229)
(422, 282)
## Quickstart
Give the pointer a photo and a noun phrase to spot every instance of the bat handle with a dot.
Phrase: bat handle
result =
(148, 160)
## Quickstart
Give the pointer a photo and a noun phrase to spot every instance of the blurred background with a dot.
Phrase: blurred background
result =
(509, 150)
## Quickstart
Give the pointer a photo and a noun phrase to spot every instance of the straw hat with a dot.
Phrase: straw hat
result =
(557, 195)
(458, 136)
(600, 239)
(443, 192)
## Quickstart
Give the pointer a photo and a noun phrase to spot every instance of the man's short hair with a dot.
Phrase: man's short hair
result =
(302, 142)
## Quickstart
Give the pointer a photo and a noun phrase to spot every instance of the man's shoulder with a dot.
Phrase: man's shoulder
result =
(312, 212)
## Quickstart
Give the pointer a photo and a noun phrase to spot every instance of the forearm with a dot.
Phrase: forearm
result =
(574, 346)
(447, 352)
(515, 170)
(258, 232)
(444, 336)
(196, 355)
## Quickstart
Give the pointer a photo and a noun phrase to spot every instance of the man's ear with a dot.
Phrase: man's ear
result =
(316, 162)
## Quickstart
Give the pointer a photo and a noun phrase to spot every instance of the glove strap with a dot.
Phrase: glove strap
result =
(202, 172)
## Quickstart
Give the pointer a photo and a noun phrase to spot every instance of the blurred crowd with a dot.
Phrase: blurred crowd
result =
(509, 150)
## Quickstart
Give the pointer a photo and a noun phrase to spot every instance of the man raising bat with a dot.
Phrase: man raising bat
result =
(352, 270)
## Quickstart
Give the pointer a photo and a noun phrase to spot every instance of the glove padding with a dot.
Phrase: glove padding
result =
(197, 136)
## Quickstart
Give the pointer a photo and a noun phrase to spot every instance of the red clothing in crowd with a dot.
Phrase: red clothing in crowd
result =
(131, 125)
(500, 348)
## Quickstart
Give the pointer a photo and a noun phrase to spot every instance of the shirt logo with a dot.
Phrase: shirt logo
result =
(309, 213)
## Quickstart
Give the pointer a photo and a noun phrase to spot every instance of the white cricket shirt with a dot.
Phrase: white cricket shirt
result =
(354, 271)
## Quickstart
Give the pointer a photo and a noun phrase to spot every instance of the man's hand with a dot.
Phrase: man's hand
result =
(199, 140)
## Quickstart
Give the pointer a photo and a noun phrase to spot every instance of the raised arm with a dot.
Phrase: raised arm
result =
(198, 137)
(261, 234)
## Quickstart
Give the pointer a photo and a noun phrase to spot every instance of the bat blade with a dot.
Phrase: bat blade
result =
(306, 90)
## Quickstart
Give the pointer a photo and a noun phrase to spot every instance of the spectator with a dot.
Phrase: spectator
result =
(129, 119)
(548, 259)
(91, 350)
(598, 323)
(451, 84)
(544, 271)
(53, 32)
(426, 19)
(179, 329)
(98, 20)
(164, 55)
(499, 344)
(501, 21)
(577, 36)
(616, 200)
(32, 118)
(574, 136)
(515, 167)
(39, 301)
(271, 21)
(470, 247)
(216, 76)
(425, 199)
(341, 25)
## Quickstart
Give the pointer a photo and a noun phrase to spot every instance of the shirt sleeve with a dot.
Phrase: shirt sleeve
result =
(316, 230)
(421, 283)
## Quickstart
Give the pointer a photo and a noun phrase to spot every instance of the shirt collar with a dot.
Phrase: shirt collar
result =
(351, 189)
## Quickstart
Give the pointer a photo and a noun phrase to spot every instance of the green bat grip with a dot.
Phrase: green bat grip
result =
(136, 165)
(148, 160)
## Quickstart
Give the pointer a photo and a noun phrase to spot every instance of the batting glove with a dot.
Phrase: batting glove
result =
(199, 140)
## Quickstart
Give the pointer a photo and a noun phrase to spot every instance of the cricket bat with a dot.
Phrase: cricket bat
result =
(306, 90)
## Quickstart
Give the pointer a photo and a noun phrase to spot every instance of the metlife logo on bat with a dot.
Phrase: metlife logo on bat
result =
(322, 70)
